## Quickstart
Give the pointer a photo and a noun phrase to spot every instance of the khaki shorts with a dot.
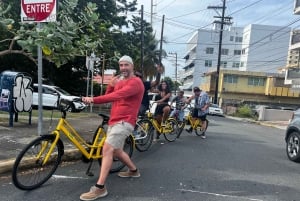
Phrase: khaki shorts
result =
(117, 133)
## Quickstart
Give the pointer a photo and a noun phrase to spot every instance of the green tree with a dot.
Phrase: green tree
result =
(151, 47)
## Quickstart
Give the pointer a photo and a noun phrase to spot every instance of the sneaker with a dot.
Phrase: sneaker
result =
(203, 136)
(94, 193)
(189, 130)
(129, 173)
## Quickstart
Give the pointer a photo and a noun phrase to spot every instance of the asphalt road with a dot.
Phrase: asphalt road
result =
(239, 161)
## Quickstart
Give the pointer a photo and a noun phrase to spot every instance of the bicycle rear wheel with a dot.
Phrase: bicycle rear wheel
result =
(145, 132)
(173, 126)
(199, 129)
(28, 171)
(118, 165)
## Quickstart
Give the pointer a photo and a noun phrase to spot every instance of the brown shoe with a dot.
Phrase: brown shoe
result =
(129, 173)
(94, 193)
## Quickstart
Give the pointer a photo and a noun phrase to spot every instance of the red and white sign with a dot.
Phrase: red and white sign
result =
(38, 10)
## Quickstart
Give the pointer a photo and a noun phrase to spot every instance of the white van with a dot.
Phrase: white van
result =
(50, 96)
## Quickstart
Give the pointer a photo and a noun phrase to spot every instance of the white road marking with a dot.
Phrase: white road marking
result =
(66, 177)
(217, 194)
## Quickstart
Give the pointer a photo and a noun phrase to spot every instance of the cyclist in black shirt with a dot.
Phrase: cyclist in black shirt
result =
(148, 85)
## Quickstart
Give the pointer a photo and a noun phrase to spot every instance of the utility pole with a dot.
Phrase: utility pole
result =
(161, 39)
(175, 53)
(224, 20)
(102, 72)
(92, 60)
(152, 12)
(142, 40)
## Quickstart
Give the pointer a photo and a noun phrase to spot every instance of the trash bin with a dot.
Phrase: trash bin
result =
(15, 94)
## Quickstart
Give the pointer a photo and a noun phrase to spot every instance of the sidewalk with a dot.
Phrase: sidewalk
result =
(14, 139)
(276, 124)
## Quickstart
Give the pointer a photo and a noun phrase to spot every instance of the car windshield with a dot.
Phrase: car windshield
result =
(214, 105)
(63, 91)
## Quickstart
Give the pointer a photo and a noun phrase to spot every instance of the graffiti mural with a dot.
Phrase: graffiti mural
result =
(22, 93)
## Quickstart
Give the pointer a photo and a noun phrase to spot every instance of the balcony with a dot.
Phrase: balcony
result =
(295, 40)
(297, 7)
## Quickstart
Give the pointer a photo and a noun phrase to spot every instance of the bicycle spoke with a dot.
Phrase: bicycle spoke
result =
(29, 171)
(171, 130)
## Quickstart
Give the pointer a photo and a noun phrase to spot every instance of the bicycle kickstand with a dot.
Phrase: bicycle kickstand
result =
(88, 172)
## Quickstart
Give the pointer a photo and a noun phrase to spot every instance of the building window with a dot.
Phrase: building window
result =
(223, 64)
(209, 50)
(208, 63)
(235, 64)
(237, 52)
(256, 81)
(224, 51)
(231, 38)
(242, 64)
(230, 78)
(243, 51)
(238, 39)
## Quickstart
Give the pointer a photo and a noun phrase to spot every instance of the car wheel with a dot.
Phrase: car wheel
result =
(293, 147)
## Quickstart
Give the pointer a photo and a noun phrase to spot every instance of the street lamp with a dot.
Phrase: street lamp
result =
(175, 53)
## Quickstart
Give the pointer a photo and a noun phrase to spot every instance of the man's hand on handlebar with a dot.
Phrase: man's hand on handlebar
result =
(87, 100)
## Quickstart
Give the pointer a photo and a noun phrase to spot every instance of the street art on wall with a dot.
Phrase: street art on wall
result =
(16, 92)
(22, 93)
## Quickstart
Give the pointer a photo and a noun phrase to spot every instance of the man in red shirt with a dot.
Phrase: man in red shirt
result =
(125, 92)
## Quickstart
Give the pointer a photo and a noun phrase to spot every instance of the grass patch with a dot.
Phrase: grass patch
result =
(46, 114)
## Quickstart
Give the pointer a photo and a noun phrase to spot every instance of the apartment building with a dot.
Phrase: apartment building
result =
(292, 69)
(260, 48)
(202, 54)
(255, 88)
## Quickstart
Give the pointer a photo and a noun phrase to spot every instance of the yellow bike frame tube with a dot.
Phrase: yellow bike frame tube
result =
(57, 136)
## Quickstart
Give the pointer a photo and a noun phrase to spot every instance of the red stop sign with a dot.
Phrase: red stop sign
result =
(38, 10)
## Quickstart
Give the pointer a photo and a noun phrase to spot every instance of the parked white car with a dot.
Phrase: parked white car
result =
(50, 96)
(214, 109)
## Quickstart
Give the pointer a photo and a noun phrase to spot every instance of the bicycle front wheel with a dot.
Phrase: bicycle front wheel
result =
(28, 171)
(181, 126)
(172, 125)
(118, 165)
(145, 132)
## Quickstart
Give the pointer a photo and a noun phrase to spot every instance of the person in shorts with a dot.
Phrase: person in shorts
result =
(124, 91)
(201, 108)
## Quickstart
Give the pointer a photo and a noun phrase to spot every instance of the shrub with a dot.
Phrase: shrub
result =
(244, 111)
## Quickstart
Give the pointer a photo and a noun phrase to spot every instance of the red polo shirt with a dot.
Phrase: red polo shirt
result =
(126, 97)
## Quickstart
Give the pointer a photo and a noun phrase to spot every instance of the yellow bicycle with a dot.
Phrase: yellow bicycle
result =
(38, 161)
(145, 128)
(196, 125)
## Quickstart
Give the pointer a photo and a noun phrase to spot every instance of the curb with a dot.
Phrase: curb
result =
(69, 154)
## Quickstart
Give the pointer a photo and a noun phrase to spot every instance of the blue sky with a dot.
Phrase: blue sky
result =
(184, 17)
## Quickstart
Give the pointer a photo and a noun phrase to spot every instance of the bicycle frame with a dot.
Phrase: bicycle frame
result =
(65, 128)
(194, 123)
(157, 126)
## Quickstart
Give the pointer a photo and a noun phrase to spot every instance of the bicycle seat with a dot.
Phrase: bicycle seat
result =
(105, 117)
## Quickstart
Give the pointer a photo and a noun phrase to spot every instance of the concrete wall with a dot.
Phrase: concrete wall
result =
(274, 115)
